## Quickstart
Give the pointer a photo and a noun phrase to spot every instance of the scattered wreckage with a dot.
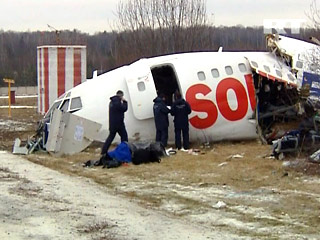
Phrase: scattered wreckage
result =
(70, 134)
(247, 94)
(291, 123)
(136, 153)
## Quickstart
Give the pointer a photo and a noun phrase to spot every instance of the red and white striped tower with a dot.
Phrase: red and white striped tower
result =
(60, 68)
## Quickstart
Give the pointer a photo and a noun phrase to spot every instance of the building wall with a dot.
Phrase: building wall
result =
(19, 91)
(59, 69)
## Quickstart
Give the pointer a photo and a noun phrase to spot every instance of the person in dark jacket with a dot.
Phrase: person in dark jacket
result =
(161, 111)
(180, 110)
(117, 107)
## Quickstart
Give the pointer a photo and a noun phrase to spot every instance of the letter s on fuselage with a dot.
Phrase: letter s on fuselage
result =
(244, 95)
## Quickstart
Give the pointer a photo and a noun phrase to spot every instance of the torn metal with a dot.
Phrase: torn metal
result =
(70, 134)
(284, 95)
(65, 133)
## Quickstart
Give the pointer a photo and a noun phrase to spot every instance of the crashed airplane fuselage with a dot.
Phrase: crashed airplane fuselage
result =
(225, 91)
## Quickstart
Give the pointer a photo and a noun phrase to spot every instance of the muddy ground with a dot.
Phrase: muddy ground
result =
(234, 188)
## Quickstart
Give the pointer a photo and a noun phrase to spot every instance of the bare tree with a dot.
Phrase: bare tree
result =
(314, 15)
(18, 54)
(312, 56)
(153, 27)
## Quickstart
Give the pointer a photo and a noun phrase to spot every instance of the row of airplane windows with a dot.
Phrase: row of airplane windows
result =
(228, 69)
(242, 68)
(201, 75)
(278, 72)
(75, 105)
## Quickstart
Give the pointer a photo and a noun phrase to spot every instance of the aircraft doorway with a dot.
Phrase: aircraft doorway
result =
(165, 81)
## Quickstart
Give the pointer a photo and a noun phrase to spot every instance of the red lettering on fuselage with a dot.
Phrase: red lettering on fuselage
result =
(251, 92)
(223, 103)
(222, 99)
(201, 105)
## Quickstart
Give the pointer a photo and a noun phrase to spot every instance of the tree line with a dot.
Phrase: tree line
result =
(108, 50)
(145, 28)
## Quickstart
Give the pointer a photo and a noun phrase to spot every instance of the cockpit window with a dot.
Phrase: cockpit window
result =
(53, 107)
(76, 104)
(65, 105)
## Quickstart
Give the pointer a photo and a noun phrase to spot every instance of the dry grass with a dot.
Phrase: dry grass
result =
(185, 185)
(25, 124)
(96, 227)
(258, 191)
(211, 166)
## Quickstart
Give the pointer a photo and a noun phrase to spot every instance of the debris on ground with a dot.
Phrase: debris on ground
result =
(315, 157)
(222, 164)
(136, 153)
(220, 205)
(236, 156)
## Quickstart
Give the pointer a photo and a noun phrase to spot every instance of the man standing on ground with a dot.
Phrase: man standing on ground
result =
(161, 111)
(180, 110)
(117, 107)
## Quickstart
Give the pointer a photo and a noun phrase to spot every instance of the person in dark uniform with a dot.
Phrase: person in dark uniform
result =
(161, 111)
(180, 110)
(117, 107)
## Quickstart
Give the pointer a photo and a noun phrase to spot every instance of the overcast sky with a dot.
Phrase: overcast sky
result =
(97, 15)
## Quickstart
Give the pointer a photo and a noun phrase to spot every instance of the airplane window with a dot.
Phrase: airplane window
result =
(291, 77)
(75, 104)
(254, 64)
(242, 67)
(299, 64)
(266, 68)
(54, 106)
(201, 76)
(141, 86)
(215, 73)
(65, 106)
(278, 73)
(229, 70)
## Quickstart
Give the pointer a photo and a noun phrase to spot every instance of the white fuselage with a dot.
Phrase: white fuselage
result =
(218, 86)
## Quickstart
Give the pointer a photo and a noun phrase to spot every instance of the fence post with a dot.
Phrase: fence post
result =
(9, 81)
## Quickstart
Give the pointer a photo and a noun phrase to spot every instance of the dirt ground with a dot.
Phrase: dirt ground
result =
(233, 188)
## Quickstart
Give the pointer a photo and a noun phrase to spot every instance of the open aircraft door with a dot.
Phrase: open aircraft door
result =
(141, 88)
(266, 67)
